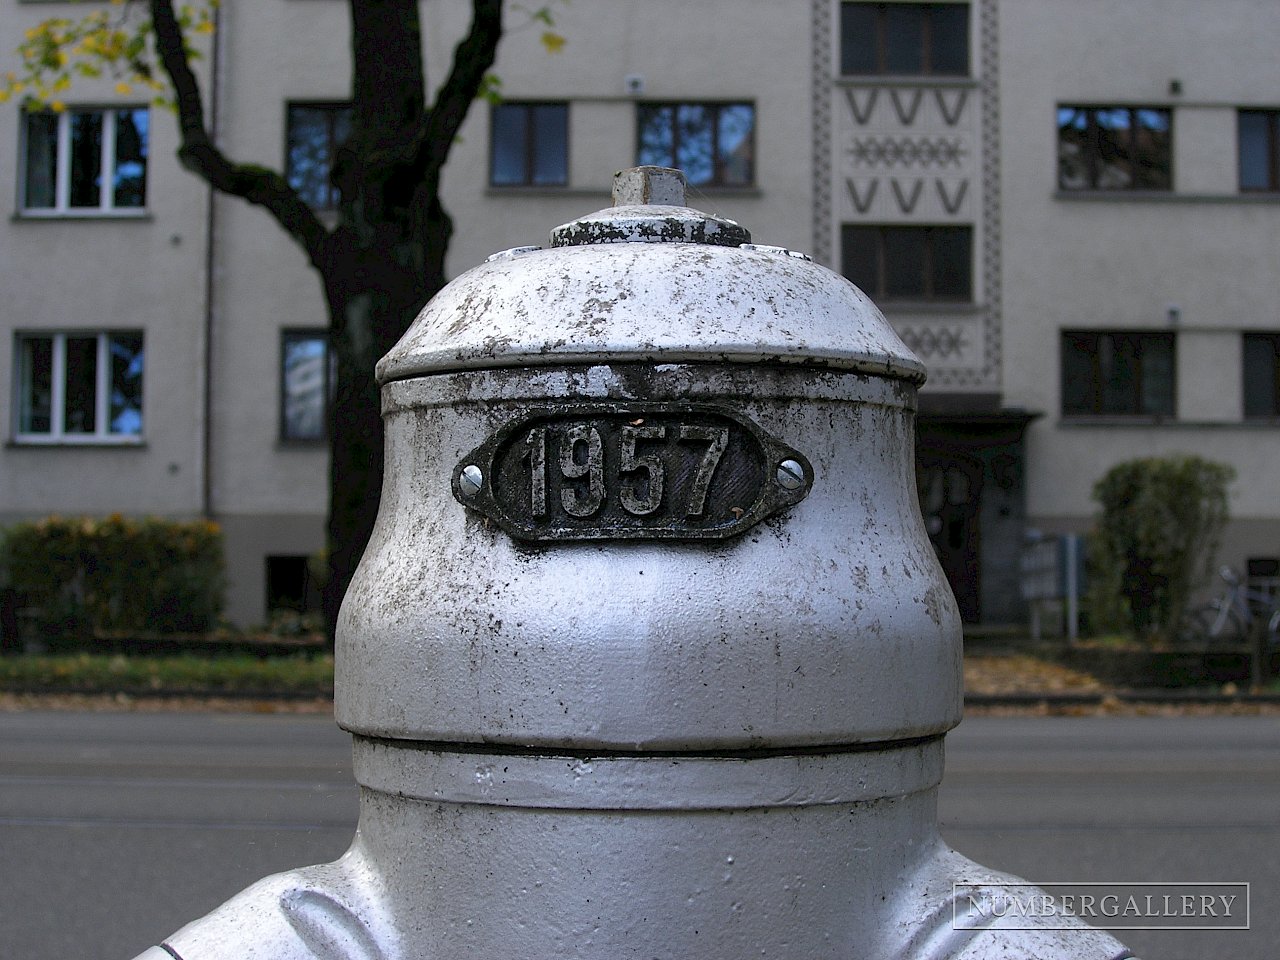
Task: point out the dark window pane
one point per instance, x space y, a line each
1152 157
860 257
951 266
736 137
42 160
1118 374
1074 149
305 386
510 130
1155 359
694 143
550 144
656 146
125 414
904 262
858 38
1261 374
1114 139
79 414
35 376
86 159
1256 159
314 133
949 41
130 183
904 38
1078 377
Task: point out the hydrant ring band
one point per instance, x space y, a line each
689 782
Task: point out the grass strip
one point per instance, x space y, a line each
116 673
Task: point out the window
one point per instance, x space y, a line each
79 387
1262 374
1259 140
909 262
85 161
306 385
1115 148
529 145
313 134
291 585
904 39
713 143
1117 374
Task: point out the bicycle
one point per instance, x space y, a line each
1228 619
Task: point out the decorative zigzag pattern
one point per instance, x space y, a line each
908 151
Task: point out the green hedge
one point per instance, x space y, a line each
81 576
1155 540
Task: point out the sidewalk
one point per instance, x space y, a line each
1014 684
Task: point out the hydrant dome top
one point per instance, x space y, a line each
649 280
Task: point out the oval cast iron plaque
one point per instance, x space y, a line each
630 471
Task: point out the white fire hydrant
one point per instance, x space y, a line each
649 655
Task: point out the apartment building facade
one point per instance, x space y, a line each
1068 210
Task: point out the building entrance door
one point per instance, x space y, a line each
950 489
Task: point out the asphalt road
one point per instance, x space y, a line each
115 829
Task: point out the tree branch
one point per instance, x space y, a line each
472 59
199 154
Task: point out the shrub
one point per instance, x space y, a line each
1156 537
82 575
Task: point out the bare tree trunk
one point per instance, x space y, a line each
386 257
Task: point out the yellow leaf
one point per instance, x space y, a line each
4 95
57 106
552 41
123 89
204 26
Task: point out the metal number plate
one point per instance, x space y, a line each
630 471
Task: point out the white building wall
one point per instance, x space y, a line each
1056 262
1111 261
86 272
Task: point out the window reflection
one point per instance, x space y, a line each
306 380
529 144
713 143
1114 148
314 133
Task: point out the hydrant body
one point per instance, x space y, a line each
649 655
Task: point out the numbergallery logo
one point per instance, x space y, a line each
1110 906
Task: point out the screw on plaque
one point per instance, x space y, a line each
790 475
470 480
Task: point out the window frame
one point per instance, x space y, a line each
58 434
1097 388
1092 161
327 388
927 50
528 181
1272 119
331 109
717 181
108 164
930 231
1261 337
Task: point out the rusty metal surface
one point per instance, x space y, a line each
621 470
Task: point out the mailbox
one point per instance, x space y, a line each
649 655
